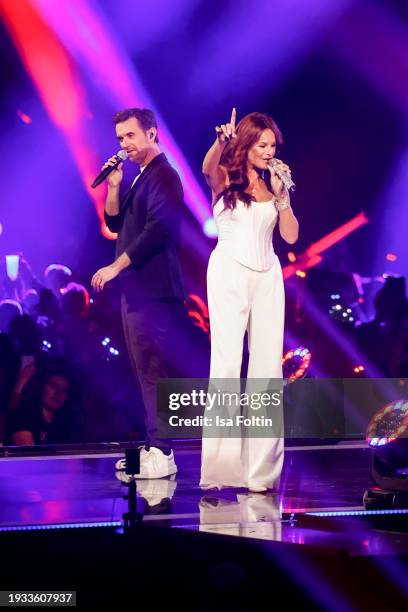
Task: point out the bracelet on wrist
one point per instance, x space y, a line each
282 204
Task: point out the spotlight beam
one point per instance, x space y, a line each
99 52
312 256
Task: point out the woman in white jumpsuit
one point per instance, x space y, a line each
245 289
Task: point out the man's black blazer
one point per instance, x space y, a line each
148 227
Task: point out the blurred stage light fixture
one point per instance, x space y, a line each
24 117
295 363
341 312
12 265
387 437
210 228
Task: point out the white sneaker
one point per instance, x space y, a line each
153 491
153 464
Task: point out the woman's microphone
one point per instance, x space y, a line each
286 179
121 155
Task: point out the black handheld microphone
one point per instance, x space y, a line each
121 155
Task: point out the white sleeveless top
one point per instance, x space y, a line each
245 232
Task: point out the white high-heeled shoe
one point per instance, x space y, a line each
257 488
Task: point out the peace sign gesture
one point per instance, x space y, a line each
227 131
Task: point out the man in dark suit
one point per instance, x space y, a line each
147 219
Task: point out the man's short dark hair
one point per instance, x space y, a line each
144 116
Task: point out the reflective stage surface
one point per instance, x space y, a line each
51 490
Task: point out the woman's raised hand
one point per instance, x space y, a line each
226 131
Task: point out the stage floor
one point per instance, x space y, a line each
82 489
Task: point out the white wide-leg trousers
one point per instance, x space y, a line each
241 299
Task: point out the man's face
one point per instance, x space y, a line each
55 393
133 140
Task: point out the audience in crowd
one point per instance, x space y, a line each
9 309
49 410
384 339
64 371
10 364
57 277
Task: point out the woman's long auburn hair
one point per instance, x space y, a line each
235 156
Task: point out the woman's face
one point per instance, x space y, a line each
55 393
261 153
